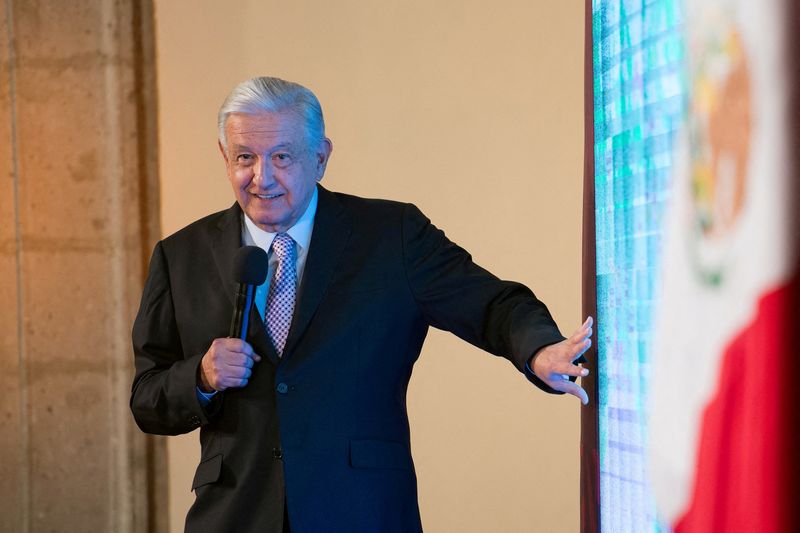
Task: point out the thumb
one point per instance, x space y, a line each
570 387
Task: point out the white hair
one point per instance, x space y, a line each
273 95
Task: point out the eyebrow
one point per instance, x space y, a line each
245 148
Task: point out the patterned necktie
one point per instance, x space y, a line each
282 289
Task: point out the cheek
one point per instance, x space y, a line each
289 183
241 177
298 183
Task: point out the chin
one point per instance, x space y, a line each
261 219
271 222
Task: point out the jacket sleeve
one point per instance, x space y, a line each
454 294
163 397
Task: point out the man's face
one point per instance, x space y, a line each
271 167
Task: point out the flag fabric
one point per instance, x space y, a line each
718 422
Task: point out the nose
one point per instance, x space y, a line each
263 174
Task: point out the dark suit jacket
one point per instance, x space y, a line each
324 429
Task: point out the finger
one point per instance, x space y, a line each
580 349
572 370
238 372
249 357
217 347
229 344
240 360
570 387
587 324
580 335
576 343
240 346
235 382
234 345
253 358
247 349
243 372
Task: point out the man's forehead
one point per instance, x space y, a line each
264 121
284 125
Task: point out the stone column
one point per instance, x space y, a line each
78 218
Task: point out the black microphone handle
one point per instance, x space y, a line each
248 303
239 300
243 301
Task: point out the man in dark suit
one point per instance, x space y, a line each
304 424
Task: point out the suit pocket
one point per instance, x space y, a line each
379 454
207 471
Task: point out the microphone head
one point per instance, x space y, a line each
250 265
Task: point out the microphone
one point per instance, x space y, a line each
250 265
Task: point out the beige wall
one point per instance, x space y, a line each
77 169
472 110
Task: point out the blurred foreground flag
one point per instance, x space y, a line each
718 419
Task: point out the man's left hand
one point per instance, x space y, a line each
554 364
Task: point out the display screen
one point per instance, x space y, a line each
639 105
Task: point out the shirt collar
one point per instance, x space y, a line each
300 232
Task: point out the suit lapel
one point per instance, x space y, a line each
331 232
257 335
226 243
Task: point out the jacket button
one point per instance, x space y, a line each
283 388
277 453
195 421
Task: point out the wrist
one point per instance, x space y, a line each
202 382
532 362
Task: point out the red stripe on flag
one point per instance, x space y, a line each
739 477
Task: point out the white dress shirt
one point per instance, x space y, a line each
252 235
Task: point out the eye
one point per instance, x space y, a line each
281 159
244 158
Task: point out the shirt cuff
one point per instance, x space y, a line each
204 397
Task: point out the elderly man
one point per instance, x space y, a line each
303 426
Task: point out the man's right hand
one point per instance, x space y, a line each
227 364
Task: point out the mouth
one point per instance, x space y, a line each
268 196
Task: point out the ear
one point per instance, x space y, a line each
224 154
322 155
